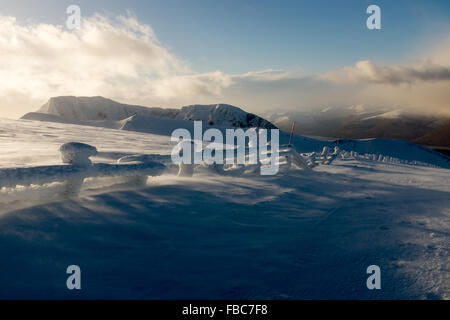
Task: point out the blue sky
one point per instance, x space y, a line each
260 55
237 36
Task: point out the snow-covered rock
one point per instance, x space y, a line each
77 153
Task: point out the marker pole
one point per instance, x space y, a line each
292 132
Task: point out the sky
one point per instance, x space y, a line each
257 54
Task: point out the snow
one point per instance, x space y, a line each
54 118
397 149
77 153
99 111
394 114
155 125
223 115
307 233
91 108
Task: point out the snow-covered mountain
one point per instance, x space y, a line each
81 109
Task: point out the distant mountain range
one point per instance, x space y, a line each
356 122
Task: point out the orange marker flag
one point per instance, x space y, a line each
292 132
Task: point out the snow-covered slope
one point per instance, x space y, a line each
36 116
155 125
296 235
75 109
97 108
398 149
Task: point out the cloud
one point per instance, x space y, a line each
192 86
369 72
117 57
265 75
121 58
